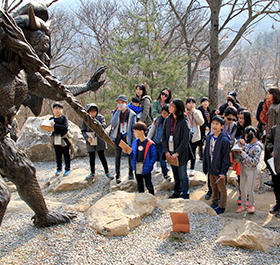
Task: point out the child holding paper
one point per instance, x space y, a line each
60 138
122 122
216 162
250 158
144 156
94 143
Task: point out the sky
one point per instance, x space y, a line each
264 26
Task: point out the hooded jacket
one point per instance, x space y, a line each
101 145
221 159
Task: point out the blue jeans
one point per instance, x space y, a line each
163 162
181 180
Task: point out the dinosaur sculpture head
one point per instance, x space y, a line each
36 29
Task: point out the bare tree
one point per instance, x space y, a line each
254 12
194 24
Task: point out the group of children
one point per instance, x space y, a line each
173 137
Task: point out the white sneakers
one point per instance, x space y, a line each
192 172
158 169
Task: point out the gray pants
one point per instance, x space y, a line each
247 184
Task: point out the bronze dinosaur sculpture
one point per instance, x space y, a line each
26 79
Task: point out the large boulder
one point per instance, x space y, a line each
247 234
36 143
74 181
118 212
185 206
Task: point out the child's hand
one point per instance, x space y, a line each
223 176
89 140
52 123
272 154
217 112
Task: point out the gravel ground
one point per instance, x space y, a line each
150 243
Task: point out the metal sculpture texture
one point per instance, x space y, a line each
26 79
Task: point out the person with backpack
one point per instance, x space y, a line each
143 156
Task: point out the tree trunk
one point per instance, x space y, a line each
214 53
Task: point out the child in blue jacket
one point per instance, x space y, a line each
144 156
135 106
216 162
155 133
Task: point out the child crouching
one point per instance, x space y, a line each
144 156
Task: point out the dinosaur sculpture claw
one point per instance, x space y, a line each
52 218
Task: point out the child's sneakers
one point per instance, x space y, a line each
251 209
91 176
208 195
192 172
219 210
168 178
118 181
214 205
239 200
277 215
66 173
241 209
158 169
58 172
109 176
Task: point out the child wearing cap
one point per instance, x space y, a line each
231 101
61 139
94 143
122 122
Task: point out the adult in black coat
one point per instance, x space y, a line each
176 146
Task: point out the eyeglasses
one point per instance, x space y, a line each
166 95
230 119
